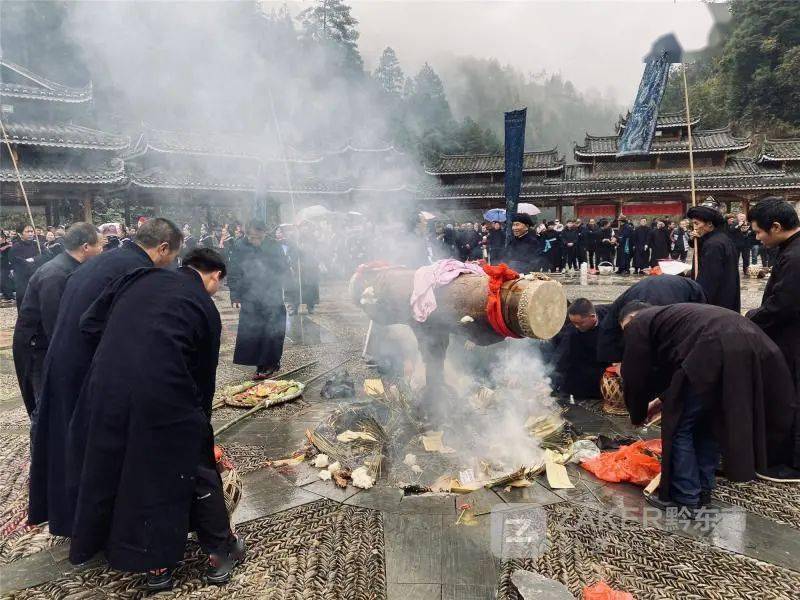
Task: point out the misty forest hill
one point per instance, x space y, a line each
241 68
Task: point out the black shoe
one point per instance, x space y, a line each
705 498
676 509
220 568
780 474
159 580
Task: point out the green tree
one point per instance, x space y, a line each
330 23
389 74
428 103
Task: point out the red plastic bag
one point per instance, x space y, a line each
601 591
635 463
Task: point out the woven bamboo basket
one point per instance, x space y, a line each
613 397
232 488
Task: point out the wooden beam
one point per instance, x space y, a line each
87 208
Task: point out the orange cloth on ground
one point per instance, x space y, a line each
498 275
601 591
634 463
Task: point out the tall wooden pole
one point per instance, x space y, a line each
691 159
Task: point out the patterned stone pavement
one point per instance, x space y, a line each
427 551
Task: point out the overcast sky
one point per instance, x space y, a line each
597 44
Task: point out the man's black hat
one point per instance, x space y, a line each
708 211
523 218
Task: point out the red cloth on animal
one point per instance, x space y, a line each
498 275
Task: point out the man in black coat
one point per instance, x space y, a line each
496 243
577 371
641 246
67 363
552 248
607 246
6 286
776 225
739 232
658 290
523 253
570 237
623 234
679 239
257 276
147 471
591 242
723 387
659 243
718 260
37 315
22 258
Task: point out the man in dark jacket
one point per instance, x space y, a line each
257 276
22 258
67 362
577 370
658 290
37 315
679 239
523 254
552 248
776 225
641 246
570 237
591 242
718 260
659 243
6 286
739 232
723 387
623 234
147 472
496 243
607 246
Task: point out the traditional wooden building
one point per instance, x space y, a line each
598 184
62 163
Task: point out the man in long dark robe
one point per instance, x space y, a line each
607 246
148 473
776 225
36 320
304 272
723 388
658 290
496 243
257 276
577 370
552 248
570 237
67 362
523 252
641 246
659 243
592 242
22 257
623 234
718 260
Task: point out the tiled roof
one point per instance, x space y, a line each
739 175
39 88
665 120
209 144
712 140
458 164
780 150
113 172
64 136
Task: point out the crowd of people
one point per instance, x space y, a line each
122 467
726 385
626 245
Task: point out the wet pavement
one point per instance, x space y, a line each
428 554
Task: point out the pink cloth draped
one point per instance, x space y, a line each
427 279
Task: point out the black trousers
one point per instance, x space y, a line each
592 255
745 254
208 516
572 258
28 363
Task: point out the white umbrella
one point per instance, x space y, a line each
312 212
528 209
427 215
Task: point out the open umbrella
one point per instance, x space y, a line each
427 215
495 214
528 209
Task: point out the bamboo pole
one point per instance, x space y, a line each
691 162
21 186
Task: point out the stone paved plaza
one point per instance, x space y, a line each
311 539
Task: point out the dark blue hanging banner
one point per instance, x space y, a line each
514 154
